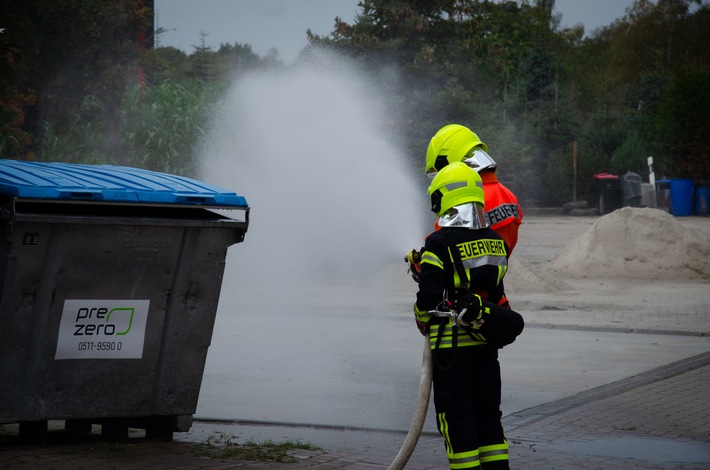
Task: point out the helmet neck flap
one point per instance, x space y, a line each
479 160
468 215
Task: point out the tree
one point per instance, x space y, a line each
56 54
680 130
471 62
658 59
203 65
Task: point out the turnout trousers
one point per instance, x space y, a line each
467 394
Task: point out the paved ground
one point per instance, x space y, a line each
643 422
658 418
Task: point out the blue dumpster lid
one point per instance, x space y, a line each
108 183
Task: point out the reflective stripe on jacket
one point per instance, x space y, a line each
483 259
503 212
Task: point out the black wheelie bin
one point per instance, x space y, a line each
606 191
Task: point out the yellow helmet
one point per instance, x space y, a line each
455 184
451 143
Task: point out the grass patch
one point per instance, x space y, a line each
104 446
221 446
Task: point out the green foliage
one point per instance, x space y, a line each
64 51
680 130
15 142
483 64
84 138
654 69
559 169
63 63
75 85
515 159
529 90
221 446
164 124
169 64
630 156
158 128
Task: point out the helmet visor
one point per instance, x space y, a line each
479 160
468 215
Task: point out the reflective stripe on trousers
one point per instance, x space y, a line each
467 401
467 459
494 453
486 457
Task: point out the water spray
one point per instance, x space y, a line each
313 148
333 198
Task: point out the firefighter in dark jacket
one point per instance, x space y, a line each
462 269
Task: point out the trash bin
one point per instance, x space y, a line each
648 195
702 198
631 187
110 278
663 194
681 197
606 191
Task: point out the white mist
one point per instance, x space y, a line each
315 321
332 198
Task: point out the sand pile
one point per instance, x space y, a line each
523 277
636 243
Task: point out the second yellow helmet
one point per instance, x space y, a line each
455 184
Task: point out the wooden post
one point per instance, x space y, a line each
574 168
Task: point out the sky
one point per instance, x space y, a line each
282 24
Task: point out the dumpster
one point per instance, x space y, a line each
109 282
606 191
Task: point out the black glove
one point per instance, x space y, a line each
471 310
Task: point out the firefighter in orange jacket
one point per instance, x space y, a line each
456 143
464 263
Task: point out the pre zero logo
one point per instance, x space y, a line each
102 329
98 321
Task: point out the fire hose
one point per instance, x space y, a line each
415 429
413 258
420 410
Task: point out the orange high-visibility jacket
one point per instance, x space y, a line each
503 212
